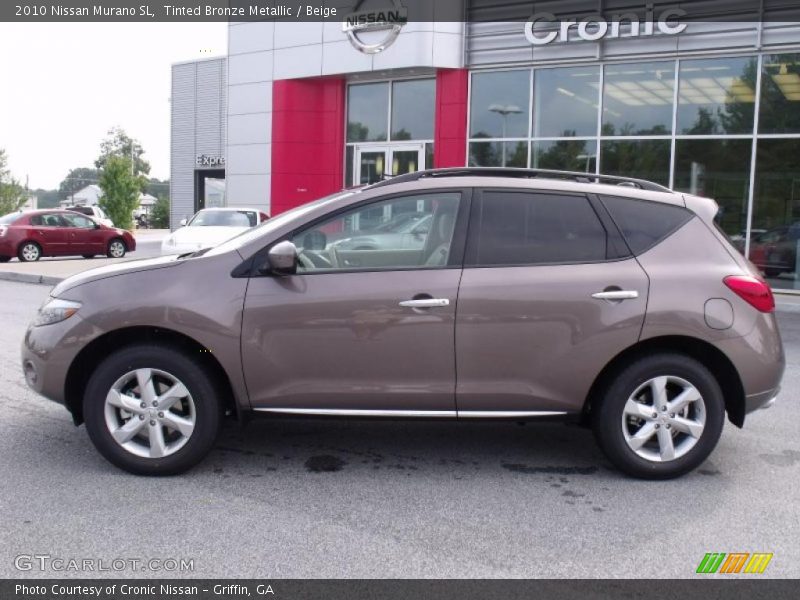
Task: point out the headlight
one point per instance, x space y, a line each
55 310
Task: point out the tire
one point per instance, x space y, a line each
88 256
116 248
620 426
136 452
29 252
4 259
771 272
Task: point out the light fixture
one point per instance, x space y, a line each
788 83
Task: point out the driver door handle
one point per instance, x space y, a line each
425 303
616 295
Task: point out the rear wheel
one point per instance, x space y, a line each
772 272
661 417
29 252
151 410
4 259
116 248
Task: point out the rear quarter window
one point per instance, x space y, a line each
644 223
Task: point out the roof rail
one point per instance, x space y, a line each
578 176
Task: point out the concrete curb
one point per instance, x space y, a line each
29 278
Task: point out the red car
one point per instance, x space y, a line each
31 235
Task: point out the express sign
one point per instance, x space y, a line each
540 30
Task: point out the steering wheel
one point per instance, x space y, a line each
311 261
305 262
334 255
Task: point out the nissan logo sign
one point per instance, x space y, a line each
595 27
362 20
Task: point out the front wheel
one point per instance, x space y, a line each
4 259
116 248
660 417
151 410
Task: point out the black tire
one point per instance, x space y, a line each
88 256
203 392
111 248
607 415
27 248
4 259
772 272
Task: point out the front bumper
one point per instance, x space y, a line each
47 353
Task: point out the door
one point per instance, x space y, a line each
359 329
84 237
547 299
375 162
49 230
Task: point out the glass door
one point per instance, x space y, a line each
374 163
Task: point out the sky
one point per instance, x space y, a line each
63 86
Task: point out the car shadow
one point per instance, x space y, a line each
365 446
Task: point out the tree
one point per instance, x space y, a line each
119 143
12 194
120 191
159 217
77 179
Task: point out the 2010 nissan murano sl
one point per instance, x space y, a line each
614 302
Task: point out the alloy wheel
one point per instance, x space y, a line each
664 418
116 249
150 413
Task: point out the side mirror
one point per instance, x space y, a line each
282 258
182 223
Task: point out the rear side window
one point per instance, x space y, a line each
643 223
523 228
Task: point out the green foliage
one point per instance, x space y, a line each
156 187
121 191
159 216
77 179
118 143
12 194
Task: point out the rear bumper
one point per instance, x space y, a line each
759 360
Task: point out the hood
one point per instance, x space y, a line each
122 268
208 236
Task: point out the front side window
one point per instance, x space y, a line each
401 233
79 221
524 228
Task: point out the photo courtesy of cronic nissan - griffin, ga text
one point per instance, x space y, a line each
505 294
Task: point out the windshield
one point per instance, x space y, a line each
274 223
8 219
224 218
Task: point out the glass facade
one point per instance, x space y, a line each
724 127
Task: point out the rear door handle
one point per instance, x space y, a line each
616 295
425 303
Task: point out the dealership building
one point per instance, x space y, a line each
707 104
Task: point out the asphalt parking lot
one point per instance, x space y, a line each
390 499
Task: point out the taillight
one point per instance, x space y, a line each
752 290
